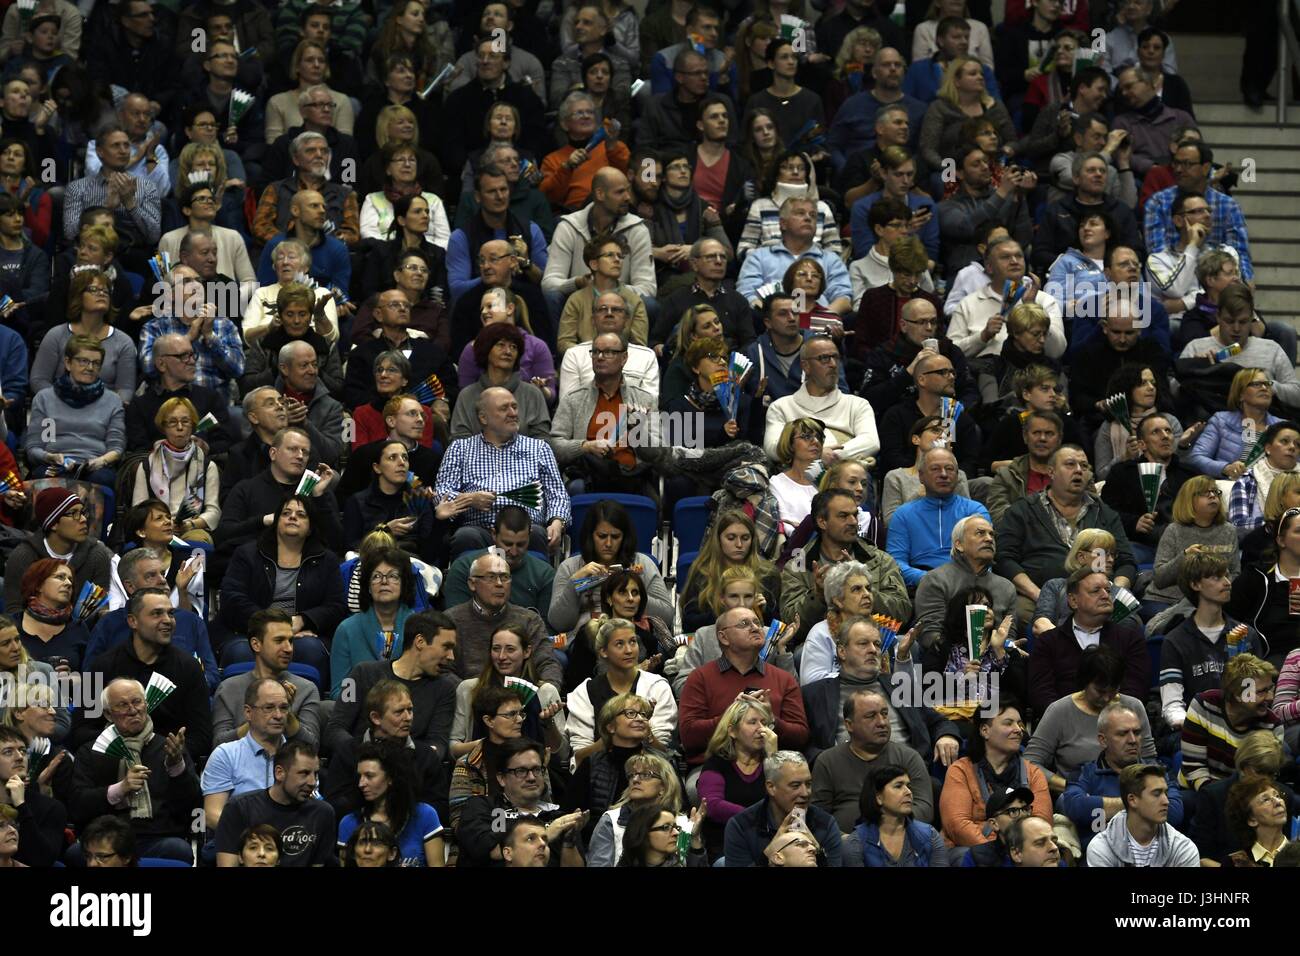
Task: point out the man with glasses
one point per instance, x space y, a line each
216 89
978 325
604 258
1173 268
712 687
60 531
499 267
155 789
767 265
136 116
1145 526
266 413
788 783
270 637
109 842
703 29
567 171
392 315
494 211
849 420
531 578
245 764
176 365
199 207
212 343
313 171
611 316
319 115
136 204
1004 806
306 825
709 259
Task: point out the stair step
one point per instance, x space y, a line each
1261 204
1233 111
1263 227
1277 275
1261 134
1265 179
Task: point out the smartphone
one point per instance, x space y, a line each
798 818
931 344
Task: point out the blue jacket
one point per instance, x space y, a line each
661 71
1073 276
461 274
854 127
356 640
779 384
917 852
864 238
1082 799
751 830
920 533
924 77
768 264
1087 322
13 366
191 636
1220 444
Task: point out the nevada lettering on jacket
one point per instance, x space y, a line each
77 910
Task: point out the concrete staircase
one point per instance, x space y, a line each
1253 143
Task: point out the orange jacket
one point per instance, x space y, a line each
962 807
570 187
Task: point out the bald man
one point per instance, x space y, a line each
308 221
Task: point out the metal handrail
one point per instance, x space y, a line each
1286 43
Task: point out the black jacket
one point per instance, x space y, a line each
249 585
465 321
1260 601
174 798
897 450
41 820
1123 492
359 474
463 127
434 699
370 506
1059 229
111 61
821 702
254 498
338 783
1093 365
426 359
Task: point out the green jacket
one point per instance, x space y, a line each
799 595
1008 487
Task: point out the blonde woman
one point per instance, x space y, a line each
1201 525
651 781
1092 547
923 39
731 777
698 322
852 67
1220 450
799 446
397 124
179 473
731 542
962 95
308 67
1283 495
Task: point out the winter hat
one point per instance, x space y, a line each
51 504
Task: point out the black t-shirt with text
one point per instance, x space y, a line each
307 831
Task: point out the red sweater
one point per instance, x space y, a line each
710 690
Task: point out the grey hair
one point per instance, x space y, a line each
489 157
397 358
286 351
126 567
302 139
774 764
993 244
250 400
172 337
103 697
311 91
571 102
1081 157
936 448
849 623
697 247
838 577
291 245
1116 706
959 530
793 201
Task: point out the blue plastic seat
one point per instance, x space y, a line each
305 671
684 562
157 861
136 282
642 510
690 519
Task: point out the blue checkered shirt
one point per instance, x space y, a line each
217 363
472 464
1227 225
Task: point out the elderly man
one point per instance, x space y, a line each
494 218
978 326
709 259
427 356
788 782
974 549
1036 532
500 267
977 202
310 153
934 377
156 789
854 127
136 204
318 109
606 434
213 342
1147 123
136 118
917 539
1059 228
198 251
531 579
1090 132
777 352
199 207
308 404
307 222
1054 658
835 513
768 264
859 648
668 118
174 361
848 419
475 471
611 317
567 172
604 257
1093 797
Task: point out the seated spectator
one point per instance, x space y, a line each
389 500
977 201
1174 268
1262 597
768 263
408 225
311 156
84 430
1148 120
879 323
776 352
418 274
1199 524
895 125
873 238
887 810
1259 755
1216 271
1122 342
37 819
788 782
910 542
1064 218
308 404
1024 37
300 316
135 203
993 764
305 221
1281 444
856 127
109 841
971 566
651 784
91 315
947 39
387 786
60 526
18 176
889 222
1144 525
1055 656
963 91
45 624
531 579
149 525
1089 131
499 209
218 351
1258 810
309 68
698 419
536 364
270 636
1038 388
1031 550
799 448
287 567
379 212
708 258
372 845
393 376
1052 607
157 790
604 258
399 360
242 765
1077 273
791 177
199 206
935 381
731 777
27 274
290 260
1141 834
179 473
849 421
967 688
287 805
1067 738
682 219
96 248
567 172
1051 85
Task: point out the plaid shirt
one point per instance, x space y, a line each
472 464
1243 502
218 362
1227 225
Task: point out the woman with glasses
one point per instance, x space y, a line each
45 624
179 473
299 316
204 160
394 378
790 177
84 433
149 524
498 350
1281 444
388 503
1221 449
651 782
604 256
308 68
1258 811
90 313
509 655
697 322
798 449
1025 345
904 484
398 125
1200 525
401 181
375 632
420 274
1037 388
475 774
292 263
650 839
618 649
1262 594
699 420
386 784
95 248
288 568
681 218
887 835
731 777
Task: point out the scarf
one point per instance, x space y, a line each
75 394
1006 779
1264 474
747 487
706 400
166 462
784 191
46 614
395 191
141 802
665 228
1152 109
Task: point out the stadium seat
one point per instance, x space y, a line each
690 519
305 671
157 861
136 282
642 510
684 562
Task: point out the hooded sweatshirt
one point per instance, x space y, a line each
1111 846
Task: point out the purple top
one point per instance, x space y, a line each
537 362
712 787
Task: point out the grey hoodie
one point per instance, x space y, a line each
1111 847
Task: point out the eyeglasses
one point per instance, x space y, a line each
177 422
606 353
830 358
388 370
74 514
86 363
750 625
385 577
521 773
666 828
1020 811
635 714
185 357
127 706
101 858
945 372
1211 493
97 290
323 105
205 125
924 323
489 260
496 577
643 775
583 113
1260 385
510 715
